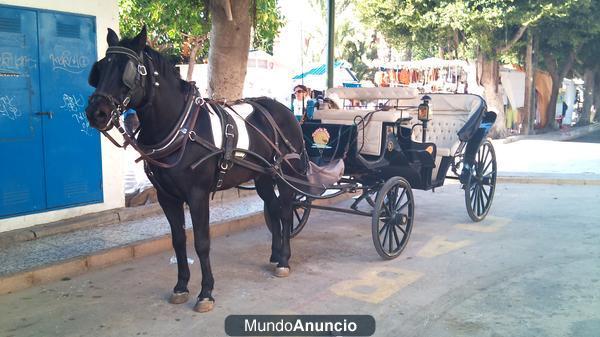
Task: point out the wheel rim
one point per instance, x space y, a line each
394 219
300 214
482 183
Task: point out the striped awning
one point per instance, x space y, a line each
319 71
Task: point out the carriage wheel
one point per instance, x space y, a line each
392 219
300 218
480 187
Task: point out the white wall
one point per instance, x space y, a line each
107 15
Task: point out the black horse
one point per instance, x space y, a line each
133 75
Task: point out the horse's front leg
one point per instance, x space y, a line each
200 217
173 210
286 199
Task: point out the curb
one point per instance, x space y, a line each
561 135
76 266
548 181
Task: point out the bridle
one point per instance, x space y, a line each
141 83
134 78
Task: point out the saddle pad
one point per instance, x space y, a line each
239 115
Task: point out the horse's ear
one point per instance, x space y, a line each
139 42
112 38
94 76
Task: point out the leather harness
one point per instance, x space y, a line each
184 132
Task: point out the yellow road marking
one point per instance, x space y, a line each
438 245
491 225
377 284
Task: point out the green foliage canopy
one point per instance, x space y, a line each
174 24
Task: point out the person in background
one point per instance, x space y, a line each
302 105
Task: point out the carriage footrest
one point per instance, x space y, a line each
327 174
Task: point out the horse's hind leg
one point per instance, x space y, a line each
266 190
174 212
199 211
286 199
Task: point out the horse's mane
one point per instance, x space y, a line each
165 66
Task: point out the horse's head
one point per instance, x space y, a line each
119 78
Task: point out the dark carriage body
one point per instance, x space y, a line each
384 140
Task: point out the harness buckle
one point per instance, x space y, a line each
192 135
229 133
225 165
199 100
126 101
142 70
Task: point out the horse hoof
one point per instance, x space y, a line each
179 298
204 305
282 271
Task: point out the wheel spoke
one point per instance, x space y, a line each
403 205
391 230
473 197
392 196
487 196
487 179
385 224
485 156
297 215
387 208
400 199
480 201
385 235
487 166
401 229
396 238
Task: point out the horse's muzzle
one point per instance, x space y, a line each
98 113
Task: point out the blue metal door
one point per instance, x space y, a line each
71 147
50 157
21 144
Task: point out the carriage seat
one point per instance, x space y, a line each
449 113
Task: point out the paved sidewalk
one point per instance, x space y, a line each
550 156
52 249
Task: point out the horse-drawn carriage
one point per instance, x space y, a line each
192 146
392 140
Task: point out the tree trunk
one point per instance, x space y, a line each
551 110
589 79
229 45
529 87
596 98
557 72
489 79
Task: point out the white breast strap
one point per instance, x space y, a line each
215 124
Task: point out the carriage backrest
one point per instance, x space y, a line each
343 96
450 114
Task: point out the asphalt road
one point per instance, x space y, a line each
530 269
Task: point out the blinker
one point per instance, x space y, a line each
129 75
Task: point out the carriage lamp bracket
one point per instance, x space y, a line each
423 115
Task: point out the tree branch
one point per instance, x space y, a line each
518 35
569 63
